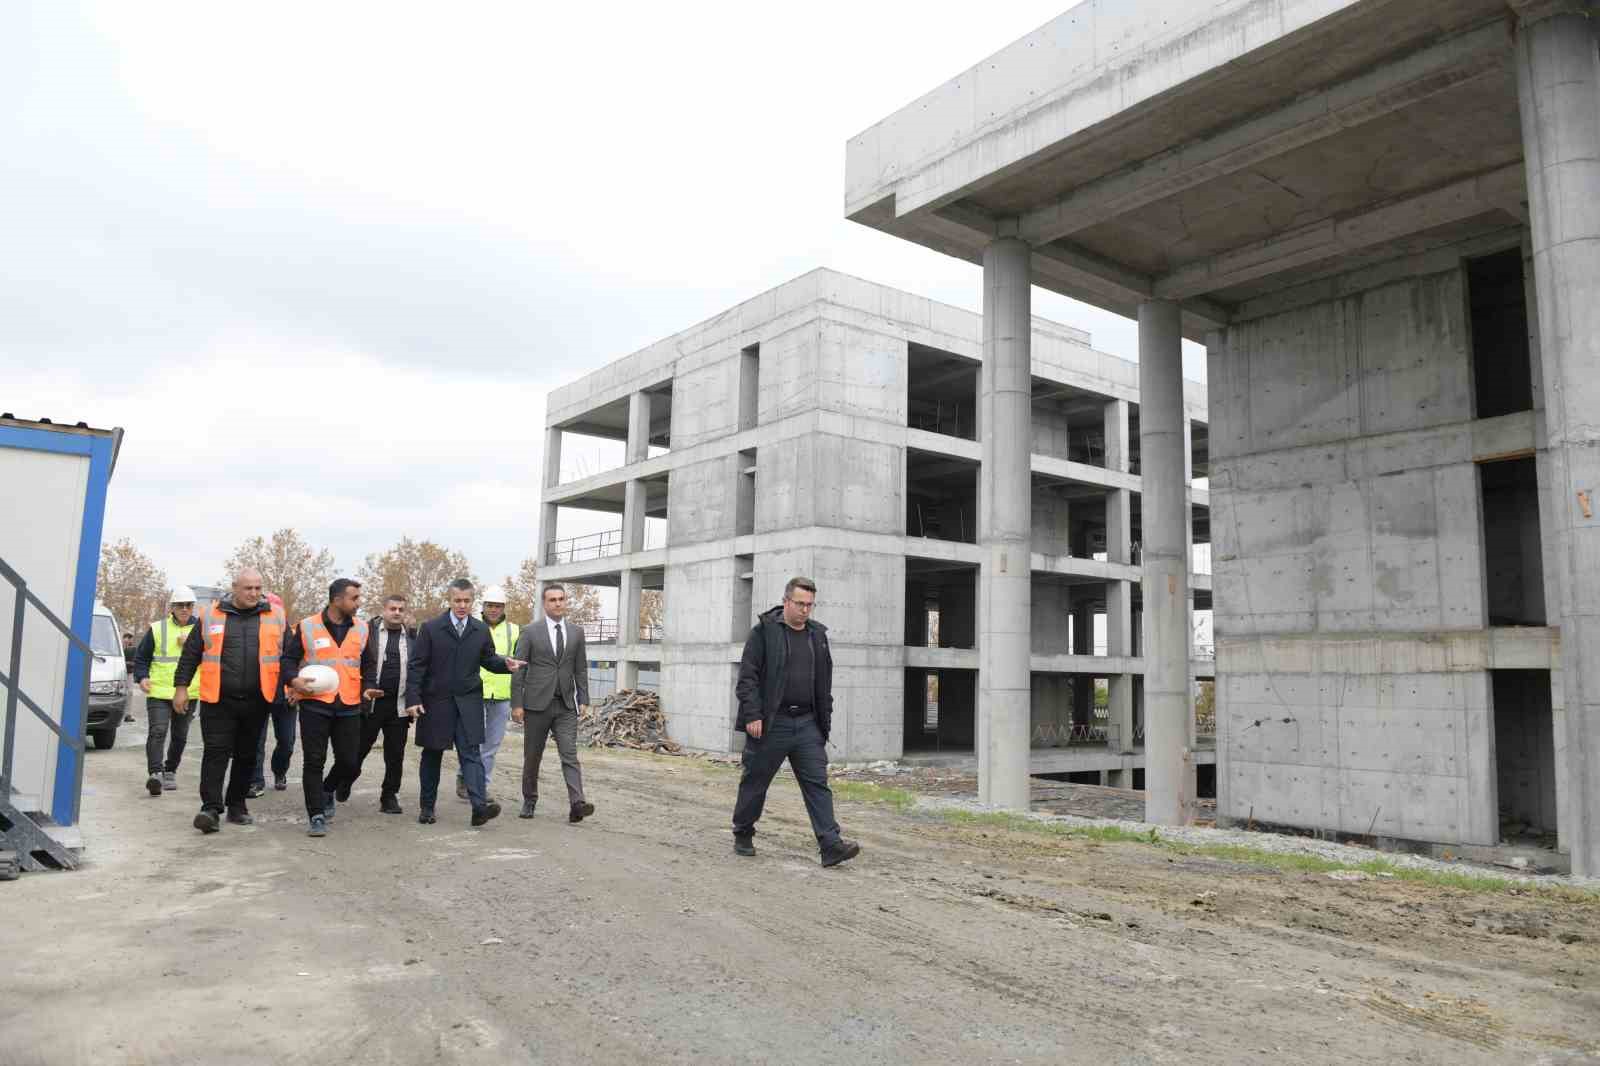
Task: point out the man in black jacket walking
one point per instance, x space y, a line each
786 710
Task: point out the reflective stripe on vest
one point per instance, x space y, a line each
344 657
498 686
168 638
269 644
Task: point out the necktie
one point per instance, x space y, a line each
460 625
561 641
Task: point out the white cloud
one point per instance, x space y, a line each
237 231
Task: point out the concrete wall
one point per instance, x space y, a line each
1348 538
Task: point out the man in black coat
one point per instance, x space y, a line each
785 696
444 695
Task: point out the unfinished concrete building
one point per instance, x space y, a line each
1382 218
831 427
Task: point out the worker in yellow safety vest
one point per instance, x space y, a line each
155 664
496 687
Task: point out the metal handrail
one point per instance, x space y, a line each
588 546
14 694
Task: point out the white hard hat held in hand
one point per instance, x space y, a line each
319 679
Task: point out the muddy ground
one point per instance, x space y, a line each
639 937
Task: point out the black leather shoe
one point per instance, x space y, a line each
241 818
580 811
461 788
485 813
744 846
390 805
844 851
206 821
280 782
343 795
426 817
527 808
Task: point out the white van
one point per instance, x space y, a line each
108 678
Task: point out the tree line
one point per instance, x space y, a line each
137 590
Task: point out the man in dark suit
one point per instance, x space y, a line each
444 695
546 695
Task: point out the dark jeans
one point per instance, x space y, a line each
317 733
537 726
797 739
471 769
229 730
169 733
386 720
282 721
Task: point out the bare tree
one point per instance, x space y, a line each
522 592
583 604
297 572
419 570
652 612
131 584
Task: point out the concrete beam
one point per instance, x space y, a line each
1333 237
1480 53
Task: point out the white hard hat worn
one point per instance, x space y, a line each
181 594
319 679
494 594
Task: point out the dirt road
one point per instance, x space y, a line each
639 937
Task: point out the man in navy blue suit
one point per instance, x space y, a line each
444 695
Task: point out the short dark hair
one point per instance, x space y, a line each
799 583
461 584
554 586
336 589
396 597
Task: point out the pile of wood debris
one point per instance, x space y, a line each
630 718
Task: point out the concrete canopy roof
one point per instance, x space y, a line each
1210 152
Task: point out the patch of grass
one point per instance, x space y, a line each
1289 861
867 792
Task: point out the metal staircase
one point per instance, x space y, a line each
25 840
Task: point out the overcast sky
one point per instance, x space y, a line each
323 261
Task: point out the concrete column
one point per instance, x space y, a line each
1166 563
1117 435
628 593
1558 82
552 478
633 504
1006 509
638 427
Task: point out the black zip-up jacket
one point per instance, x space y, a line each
241 668
761 672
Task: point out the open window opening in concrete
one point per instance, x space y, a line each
590 528
940 710
1069 423
745 499
1513 549
942 392
1133 438
941 604
744 596
1525 756
749 387
652 619
587 454
1069 517
657 499
1502 369
1199 455
941 497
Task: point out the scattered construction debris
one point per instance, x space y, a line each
630 718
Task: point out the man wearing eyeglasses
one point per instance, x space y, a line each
785 696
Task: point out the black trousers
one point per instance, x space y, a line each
229 729
319 731
163 723
385 720
797 739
